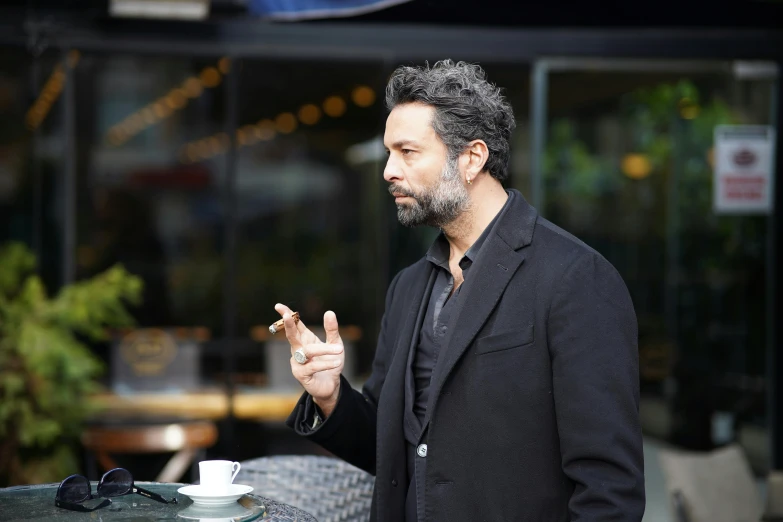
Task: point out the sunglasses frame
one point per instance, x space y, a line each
78 505
131 488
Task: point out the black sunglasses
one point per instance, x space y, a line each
75 493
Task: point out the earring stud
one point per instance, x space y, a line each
470 181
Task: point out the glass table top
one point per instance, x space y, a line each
37 503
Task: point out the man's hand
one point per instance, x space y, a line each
320 374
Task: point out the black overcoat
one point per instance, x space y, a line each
533 412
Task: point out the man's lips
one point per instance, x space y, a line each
399 194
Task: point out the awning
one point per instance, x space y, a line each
294 10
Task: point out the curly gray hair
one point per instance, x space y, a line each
467 108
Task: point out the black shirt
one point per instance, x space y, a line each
440 308
439 311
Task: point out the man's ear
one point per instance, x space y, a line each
476 154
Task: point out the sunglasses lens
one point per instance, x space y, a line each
115 483
74 489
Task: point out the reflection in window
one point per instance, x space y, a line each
31 154
308 200
138 203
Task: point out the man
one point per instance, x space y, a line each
505 380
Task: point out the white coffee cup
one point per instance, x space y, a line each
217 475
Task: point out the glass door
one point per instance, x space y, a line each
624 157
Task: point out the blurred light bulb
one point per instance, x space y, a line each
363 96
265 130
192 87
334 106
636 166
161 109
148 115
243 136
309 114
286 123
210 77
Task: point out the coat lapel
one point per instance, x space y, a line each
498 261
392 398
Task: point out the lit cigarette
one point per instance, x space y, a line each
280 325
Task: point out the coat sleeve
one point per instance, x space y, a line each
350 431
592 333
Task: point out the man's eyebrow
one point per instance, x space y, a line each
402 143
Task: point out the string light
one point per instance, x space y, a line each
363 96
177 99
210 77
246 136
334 106
148 116
50 92
309 114
161 110
284 123
165 106
265 130
192 87
636 166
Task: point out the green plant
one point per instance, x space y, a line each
46 370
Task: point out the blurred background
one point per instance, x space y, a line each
228 155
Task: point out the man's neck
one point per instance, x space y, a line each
486 202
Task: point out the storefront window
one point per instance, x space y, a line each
628 167
141 200
31 154
310 197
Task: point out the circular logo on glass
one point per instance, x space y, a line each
148 351
744 158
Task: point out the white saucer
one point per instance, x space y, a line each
202 496
235 511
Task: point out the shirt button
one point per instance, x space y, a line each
421 451
394 482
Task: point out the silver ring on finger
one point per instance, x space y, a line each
299 356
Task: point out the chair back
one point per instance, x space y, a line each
716 486
326 487
774 504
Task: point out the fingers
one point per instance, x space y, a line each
314 351
315 365
283 309
291 332
331 328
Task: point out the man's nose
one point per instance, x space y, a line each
392 172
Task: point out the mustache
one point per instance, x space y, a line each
396 189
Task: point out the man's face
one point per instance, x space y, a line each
427 188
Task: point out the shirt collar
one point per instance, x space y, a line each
438 254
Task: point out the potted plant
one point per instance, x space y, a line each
46 369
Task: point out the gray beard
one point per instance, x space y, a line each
437 206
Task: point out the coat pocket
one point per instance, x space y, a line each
497 342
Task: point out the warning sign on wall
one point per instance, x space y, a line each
744 166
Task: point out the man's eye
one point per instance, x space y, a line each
405 152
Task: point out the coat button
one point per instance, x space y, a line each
394 482
422 450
